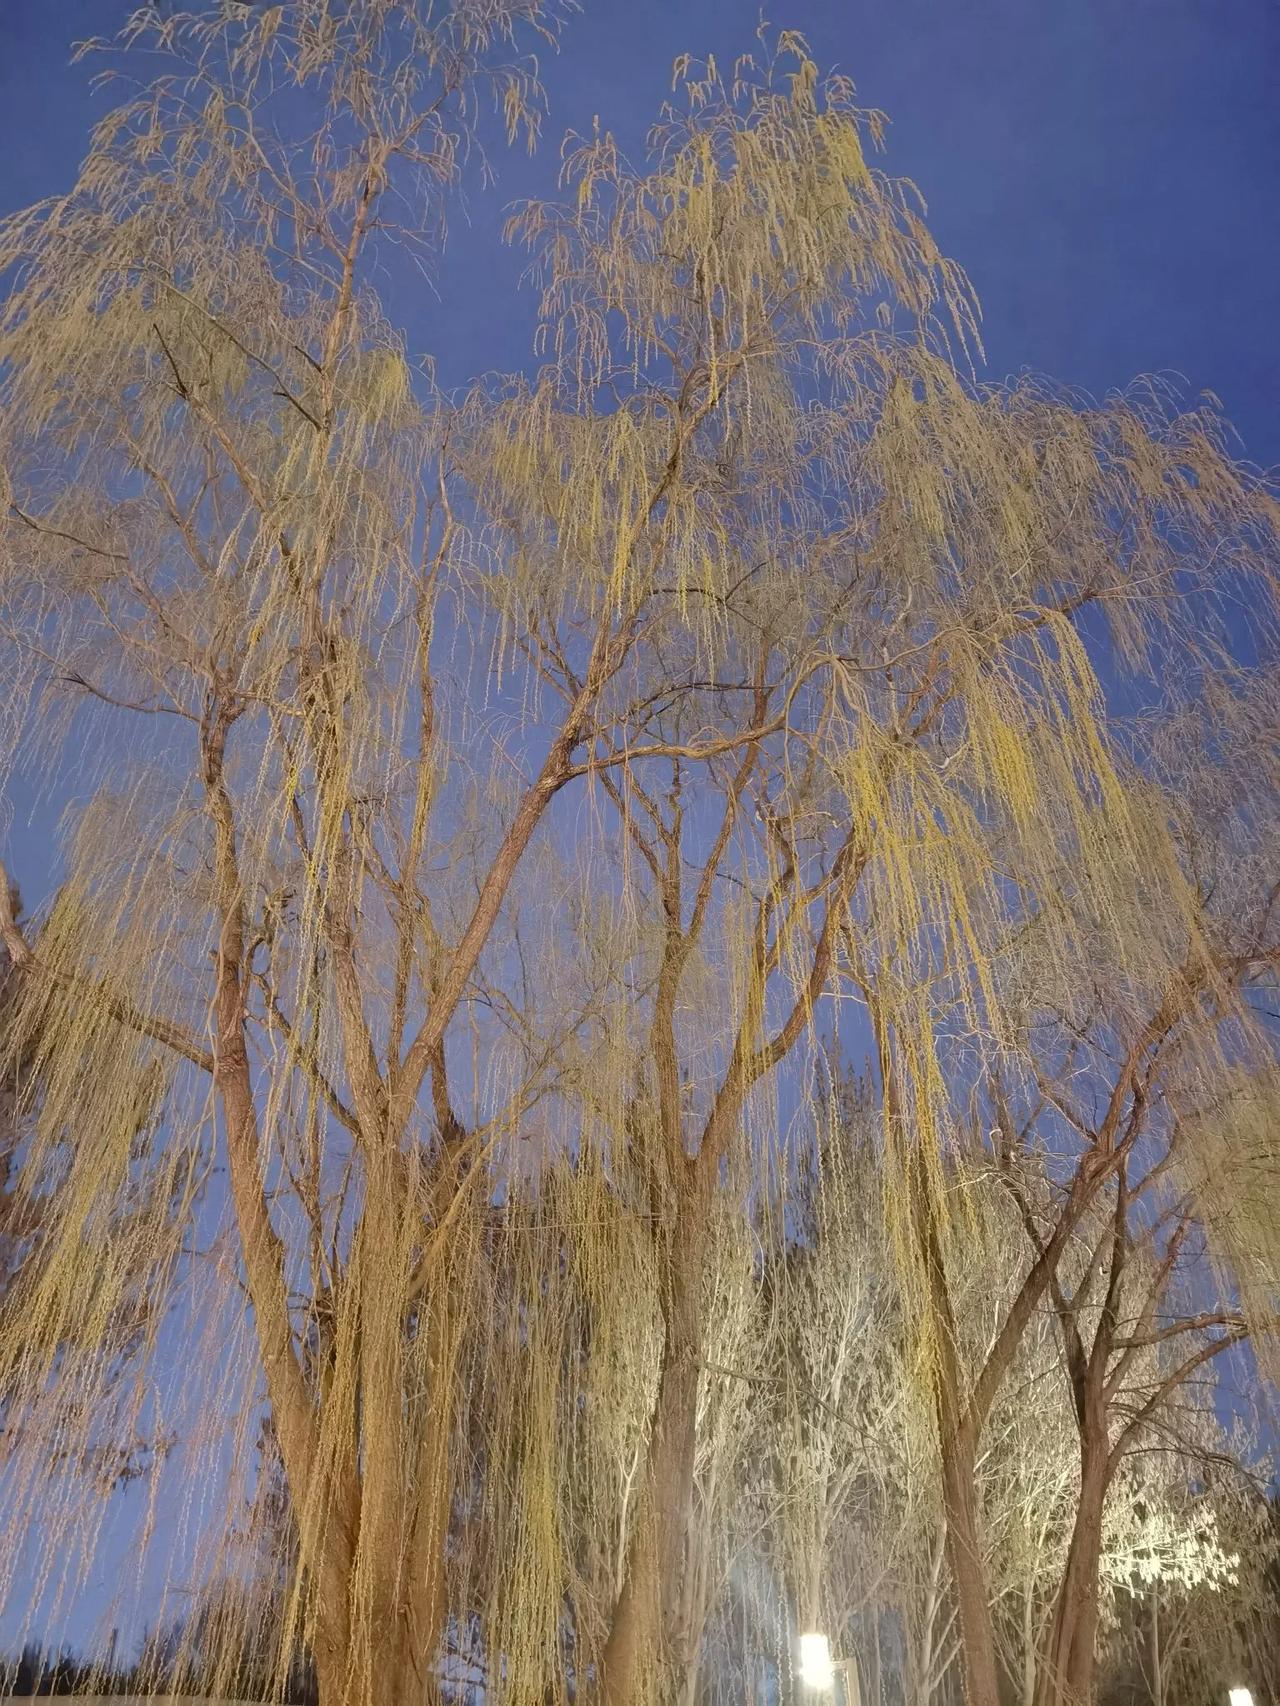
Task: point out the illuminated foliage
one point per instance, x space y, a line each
481 804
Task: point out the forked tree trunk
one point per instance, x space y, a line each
395 1619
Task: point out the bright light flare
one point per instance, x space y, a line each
1240 1697
818 1672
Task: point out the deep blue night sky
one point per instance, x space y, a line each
1105 171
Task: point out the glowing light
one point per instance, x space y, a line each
818 1672
1240 1697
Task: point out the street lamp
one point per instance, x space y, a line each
819 1670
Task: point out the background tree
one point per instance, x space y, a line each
1123 1080
1191 1629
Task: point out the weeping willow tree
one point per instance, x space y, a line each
244 470
480 802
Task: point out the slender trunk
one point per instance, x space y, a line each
921 1666
698 1594
647 1640
1081 1660
850 1684
926 1644
1068 1674
326 1502
1157 1660
958 1451
422 1620
968 1574
810 1595
1028 1691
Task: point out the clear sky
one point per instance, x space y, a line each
1105 170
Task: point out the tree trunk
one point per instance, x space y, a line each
1157 1658
331 1669
1069 1670
423 1617
923 1649
648 1644
876 1689
1028 1689
968 1574
958 1451
395 1682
